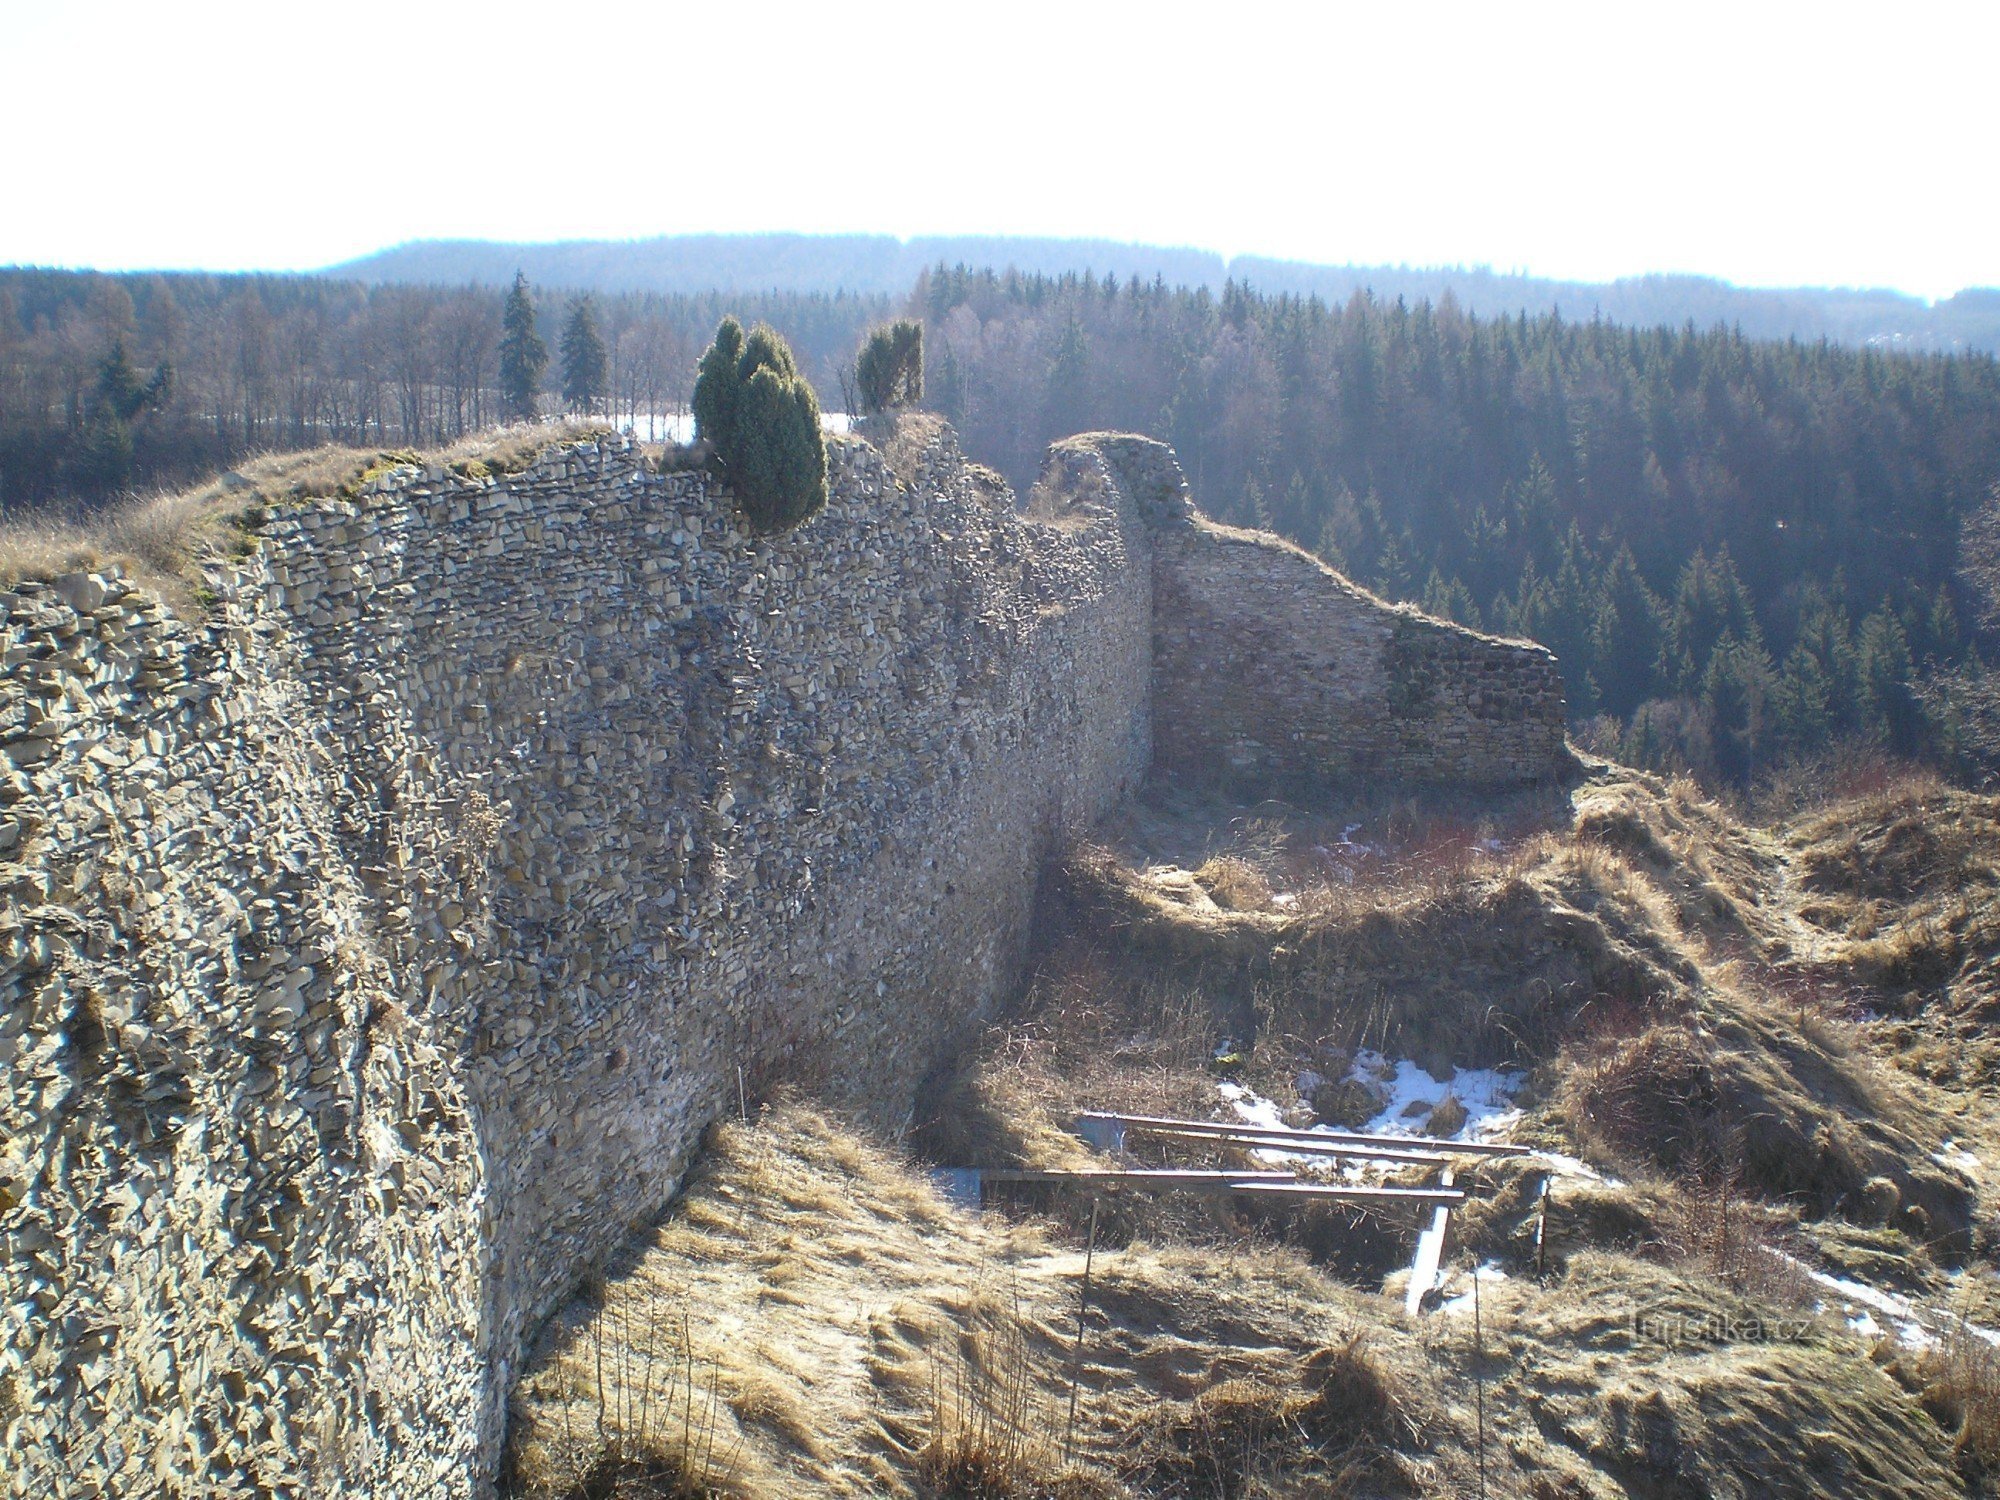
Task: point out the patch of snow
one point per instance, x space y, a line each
1956 1157
1900 1311
1915 1326
1252 1108
678 426
1570 1166
1485 1275
1410 1094
1284 898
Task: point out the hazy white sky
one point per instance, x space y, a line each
1766 143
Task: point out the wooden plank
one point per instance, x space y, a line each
1430 1250
1276 1184
1256 1140
1281 1133
1163 1176
1444 1197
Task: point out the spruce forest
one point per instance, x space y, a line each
1745 554
1748 555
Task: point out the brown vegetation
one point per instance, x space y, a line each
161 540
1693 1020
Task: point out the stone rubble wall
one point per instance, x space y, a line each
381 947
240 1188
378 945
1273 672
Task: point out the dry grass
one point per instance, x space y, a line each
997 1420
629 1411
867 1340
1490 957
1234 884
1959 1380
1906 881
849 1335
161 540
1240 1437
831 1327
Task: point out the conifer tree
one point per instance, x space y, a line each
1737 693
716 387
889 371
1067 388
1802 702
948 388
583 357
1626 636
1883 669
1449 599
523 355
762 416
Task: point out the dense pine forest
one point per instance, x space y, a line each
1742 552
1745 553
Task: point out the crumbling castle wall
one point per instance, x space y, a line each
1273 672
378 951
377 946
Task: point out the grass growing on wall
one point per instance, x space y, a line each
162 540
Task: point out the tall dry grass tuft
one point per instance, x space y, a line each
994 1420
1850 771
1236 1438
1234 883
1959 1378
1710 1224
642 1416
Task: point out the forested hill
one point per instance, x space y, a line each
872 264
884 265
1740 550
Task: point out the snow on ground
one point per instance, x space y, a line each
1411 1094
1957 1158
1484 1275
1570 1166
1253 1108
1916 1326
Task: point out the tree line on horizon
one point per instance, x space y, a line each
1741 552
886 265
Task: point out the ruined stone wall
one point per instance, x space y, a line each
377 945
240 1190
379 949
1271 671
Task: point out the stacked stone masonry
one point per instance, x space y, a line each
377 946
1271 671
